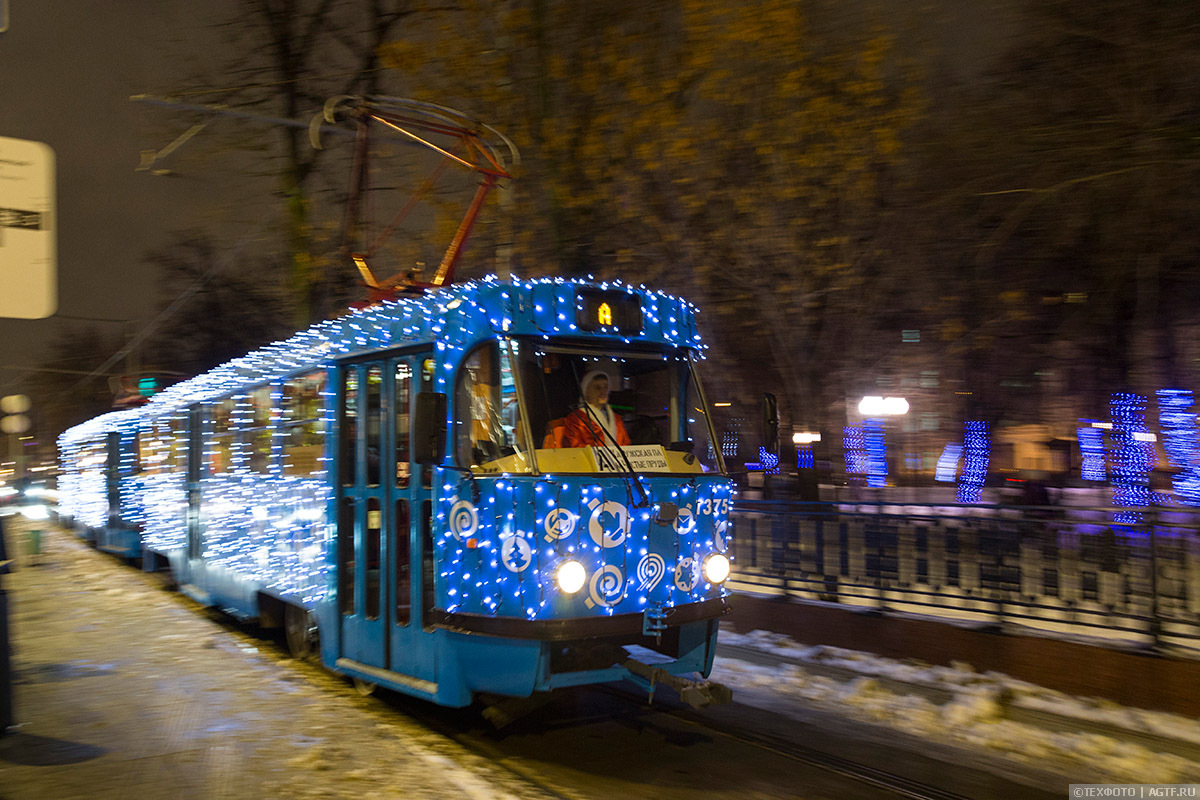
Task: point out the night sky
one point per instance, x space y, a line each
67 71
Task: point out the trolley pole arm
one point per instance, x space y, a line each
445 273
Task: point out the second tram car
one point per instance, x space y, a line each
395 485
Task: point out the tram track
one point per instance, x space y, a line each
846 768
435 719
795 751
489 744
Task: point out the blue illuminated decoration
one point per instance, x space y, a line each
947 463
875 441
804 457
1132 455
1091 451
1181 442
503 539
977 448
854 447
768 461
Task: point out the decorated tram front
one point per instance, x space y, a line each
541 561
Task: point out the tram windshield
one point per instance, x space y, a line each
524 404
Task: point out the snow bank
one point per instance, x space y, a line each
975 716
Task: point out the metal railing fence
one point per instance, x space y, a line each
1064 570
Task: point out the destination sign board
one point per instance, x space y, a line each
642 457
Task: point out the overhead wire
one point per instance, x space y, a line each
173 306
268 84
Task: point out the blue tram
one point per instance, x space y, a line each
394 488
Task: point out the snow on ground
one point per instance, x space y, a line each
975 715
162 692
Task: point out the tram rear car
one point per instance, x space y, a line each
396 480
98 483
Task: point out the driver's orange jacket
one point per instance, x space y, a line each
579 430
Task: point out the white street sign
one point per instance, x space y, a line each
28 252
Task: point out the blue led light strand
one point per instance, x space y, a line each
1131 456
1181 442
875 445
1093 463
977 450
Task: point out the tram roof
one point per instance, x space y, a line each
98 427
451 318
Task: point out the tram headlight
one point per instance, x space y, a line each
716 568
570 576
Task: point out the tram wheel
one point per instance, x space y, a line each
365 688
300 632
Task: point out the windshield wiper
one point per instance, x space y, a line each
631 476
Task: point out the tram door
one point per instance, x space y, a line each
112 482
380 499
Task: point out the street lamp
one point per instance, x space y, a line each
876 406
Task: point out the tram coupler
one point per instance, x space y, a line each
697 693
654 620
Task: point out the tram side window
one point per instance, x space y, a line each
218 454
160 446
403 398
254 433
178 433
303 424
373 422
154 447
92 457
348 438
487 421
131 453
147 445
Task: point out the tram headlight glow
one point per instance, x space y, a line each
35 512
570 576
716 568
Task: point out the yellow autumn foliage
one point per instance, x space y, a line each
735 152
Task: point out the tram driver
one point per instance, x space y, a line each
594 422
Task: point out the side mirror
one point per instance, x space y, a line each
429 428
